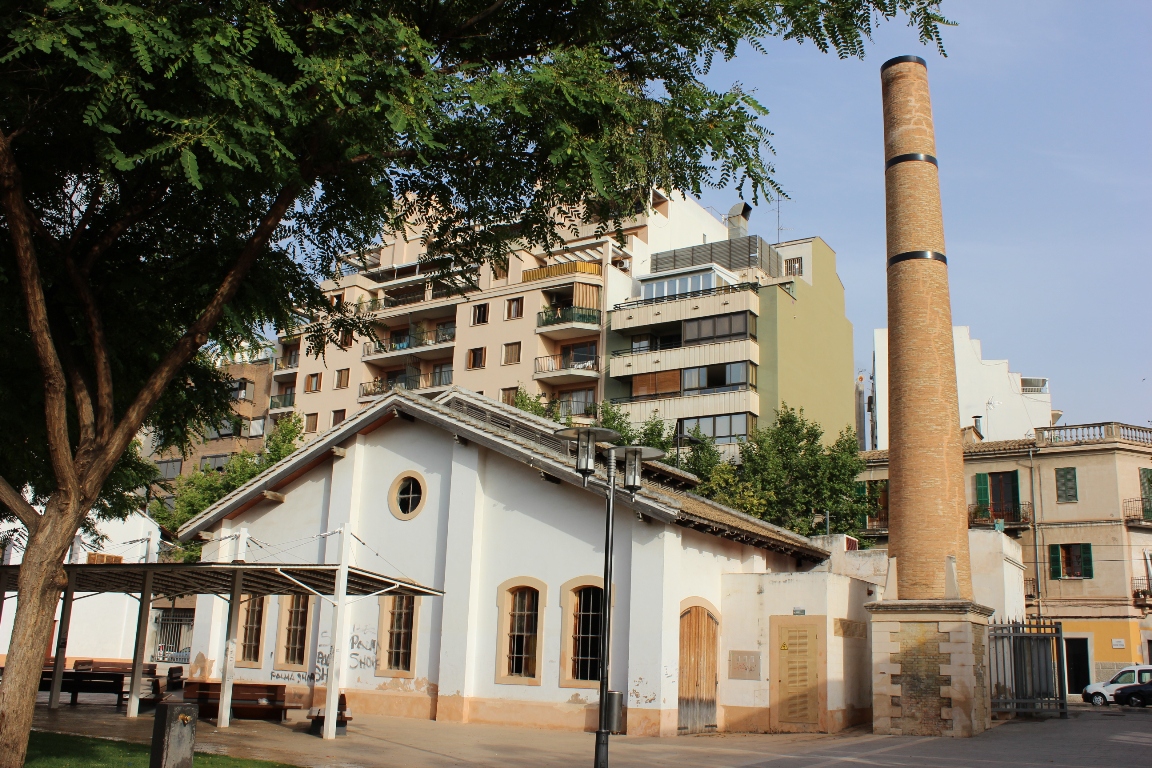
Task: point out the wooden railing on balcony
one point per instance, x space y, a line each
1110 431
559 270
1138 510
1009 514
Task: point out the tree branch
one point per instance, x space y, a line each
83 402
55 387
104 414
194 338
132 214
20 507
478 17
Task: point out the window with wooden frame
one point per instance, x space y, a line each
339 416
251 649
1066 490
508 395
476 357
581 605
519 648
480 314
399 618
1070 561
311 422
514 308
294 632
342 379
346 339
312 382
512 353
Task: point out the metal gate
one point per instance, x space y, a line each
1026 668
174 635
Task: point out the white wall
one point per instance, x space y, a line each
102 626
985 388
997 573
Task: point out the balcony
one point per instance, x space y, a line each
664 310
415 382
1138 512
419 342
1010 515
719 290
1142 592
1030 590
745 387
287 363
560 270
568 322
567 369
282 402
877 525
562 410
1081 434
630 363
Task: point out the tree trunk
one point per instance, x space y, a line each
41 581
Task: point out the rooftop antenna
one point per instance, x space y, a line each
779 229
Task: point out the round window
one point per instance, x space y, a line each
408 496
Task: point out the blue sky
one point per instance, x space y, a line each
1044 133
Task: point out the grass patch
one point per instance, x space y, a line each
59 750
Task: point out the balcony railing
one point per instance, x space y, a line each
877 522
398 342
717 291
559 410
550 363
1010 514
287 362
557 315
1093 433
1141 589
422 381
1030 590
559 270
685 393
282 401
1138 510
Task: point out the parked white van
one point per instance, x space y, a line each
1100 694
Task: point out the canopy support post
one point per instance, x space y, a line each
228 674
141 640
336 662
61 659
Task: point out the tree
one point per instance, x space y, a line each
787 476
199 490
180 174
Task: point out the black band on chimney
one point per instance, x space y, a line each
903 60
911 156
907 255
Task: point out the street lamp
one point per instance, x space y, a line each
634 458
682 440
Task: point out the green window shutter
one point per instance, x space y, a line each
1146 483
1086 560
1015 483
982 489
1066 484
1054 561
861 489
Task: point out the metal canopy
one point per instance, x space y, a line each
178 579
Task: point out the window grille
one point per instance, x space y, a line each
296 630
253 629
1066 484
400 633
586 633
522 622
794 267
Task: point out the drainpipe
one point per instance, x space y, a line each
1036 534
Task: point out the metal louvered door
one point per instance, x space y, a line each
798 675
699 632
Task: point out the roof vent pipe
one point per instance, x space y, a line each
738 220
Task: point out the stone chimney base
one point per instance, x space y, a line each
930 667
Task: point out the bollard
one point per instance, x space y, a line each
174 734
615 710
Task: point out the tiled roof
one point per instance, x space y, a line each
988 446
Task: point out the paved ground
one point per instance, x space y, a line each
1111 738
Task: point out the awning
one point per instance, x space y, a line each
177 579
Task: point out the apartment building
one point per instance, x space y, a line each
771 317
1079 501
998 402
251 391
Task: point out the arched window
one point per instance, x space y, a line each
587 627
523 624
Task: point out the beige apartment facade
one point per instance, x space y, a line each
1079 500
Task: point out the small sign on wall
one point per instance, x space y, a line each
1117 642
743 665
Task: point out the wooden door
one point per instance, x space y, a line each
699 632
797 674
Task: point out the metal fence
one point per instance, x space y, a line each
1026 668
174 636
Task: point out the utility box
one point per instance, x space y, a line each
174 734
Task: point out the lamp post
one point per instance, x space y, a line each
682 440
586 439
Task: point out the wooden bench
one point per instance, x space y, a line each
85 681
316 715
250 701
174 680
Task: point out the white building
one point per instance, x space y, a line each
103 626
469 496
999 403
